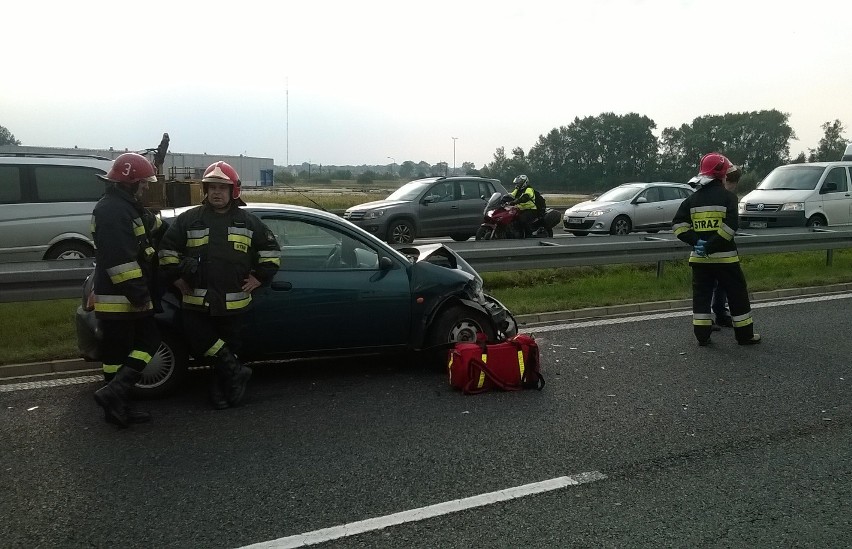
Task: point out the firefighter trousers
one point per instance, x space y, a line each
730 278
128 342
208 334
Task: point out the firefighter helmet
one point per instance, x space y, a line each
222 172
129 168
714 165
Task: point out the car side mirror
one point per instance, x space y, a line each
385 263
828 188
640 200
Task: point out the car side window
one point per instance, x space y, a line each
670 193
838 177
683 193
10 185
68 184
442 192
469 190
652 194
308 246
485 190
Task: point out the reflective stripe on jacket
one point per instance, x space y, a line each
709 214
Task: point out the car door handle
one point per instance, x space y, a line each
454 207
282 286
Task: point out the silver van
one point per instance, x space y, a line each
46 203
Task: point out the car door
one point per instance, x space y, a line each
836 199
672 197
438 211
646 213
330 292
471 207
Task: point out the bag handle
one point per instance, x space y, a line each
471 388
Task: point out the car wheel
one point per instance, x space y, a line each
579 233
621 225
400 232
483 233
460 237
70 250
817 221
166 371
459 324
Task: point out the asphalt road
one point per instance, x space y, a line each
639 439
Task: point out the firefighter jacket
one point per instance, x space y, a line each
709 214
125 260
524 200
214 253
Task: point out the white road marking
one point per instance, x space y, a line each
49 383
423 513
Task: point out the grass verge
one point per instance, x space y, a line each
44 330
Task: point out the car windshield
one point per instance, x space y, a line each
408 191
618 194
797 178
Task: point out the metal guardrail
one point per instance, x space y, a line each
62 279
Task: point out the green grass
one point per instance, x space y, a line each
44 330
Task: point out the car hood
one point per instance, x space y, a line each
377 204
779 196
438 254
589 205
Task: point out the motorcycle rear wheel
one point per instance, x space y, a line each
484 233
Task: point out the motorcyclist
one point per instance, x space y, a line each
523 196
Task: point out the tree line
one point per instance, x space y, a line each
596 153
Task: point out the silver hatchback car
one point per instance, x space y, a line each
627 208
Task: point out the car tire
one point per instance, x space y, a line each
166 371
459 324
579 233
621 225
70 249
460 237
400 232
816 221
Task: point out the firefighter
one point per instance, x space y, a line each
523 196
707 221
124 284
216 254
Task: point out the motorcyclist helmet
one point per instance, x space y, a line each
222 172
522 182
129 169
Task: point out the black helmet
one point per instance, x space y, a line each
522 182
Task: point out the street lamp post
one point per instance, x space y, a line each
393 165
454 154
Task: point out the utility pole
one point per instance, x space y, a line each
454 154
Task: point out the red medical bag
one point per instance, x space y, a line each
510 365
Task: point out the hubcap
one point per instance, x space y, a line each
160 368
401 234
465 330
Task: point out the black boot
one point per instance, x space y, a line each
217 391
235 375
114 397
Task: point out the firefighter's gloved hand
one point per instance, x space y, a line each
700 248
188 267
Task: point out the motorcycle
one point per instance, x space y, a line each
501 220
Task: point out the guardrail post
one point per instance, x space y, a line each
659 269
829 257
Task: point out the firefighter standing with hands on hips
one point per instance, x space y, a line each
217 254
708 221
124 284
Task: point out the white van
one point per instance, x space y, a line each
797 195
46 203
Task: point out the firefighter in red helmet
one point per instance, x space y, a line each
217 254
708 222
125 296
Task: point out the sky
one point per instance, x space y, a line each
343 82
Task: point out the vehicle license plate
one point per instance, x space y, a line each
575 220
757 224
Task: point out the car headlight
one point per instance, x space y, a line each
598 213
741 207
374 214
793 207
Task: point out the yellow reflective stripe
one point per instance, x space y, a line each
238 304
521 362
481 373
193 300
101 307
150 252
741 323
138 227
273 260
140 355
237 230
170 260
214 348
698 322
239 238
702 319
110 368
195 242
712 259
157 222
127 275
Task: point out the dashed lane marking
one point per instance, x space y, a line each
423 513
49 383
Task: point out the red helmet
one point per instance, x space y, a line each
222 172
131 168
714 165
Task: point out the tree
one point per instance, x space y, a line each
832 144
6 137
406 169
